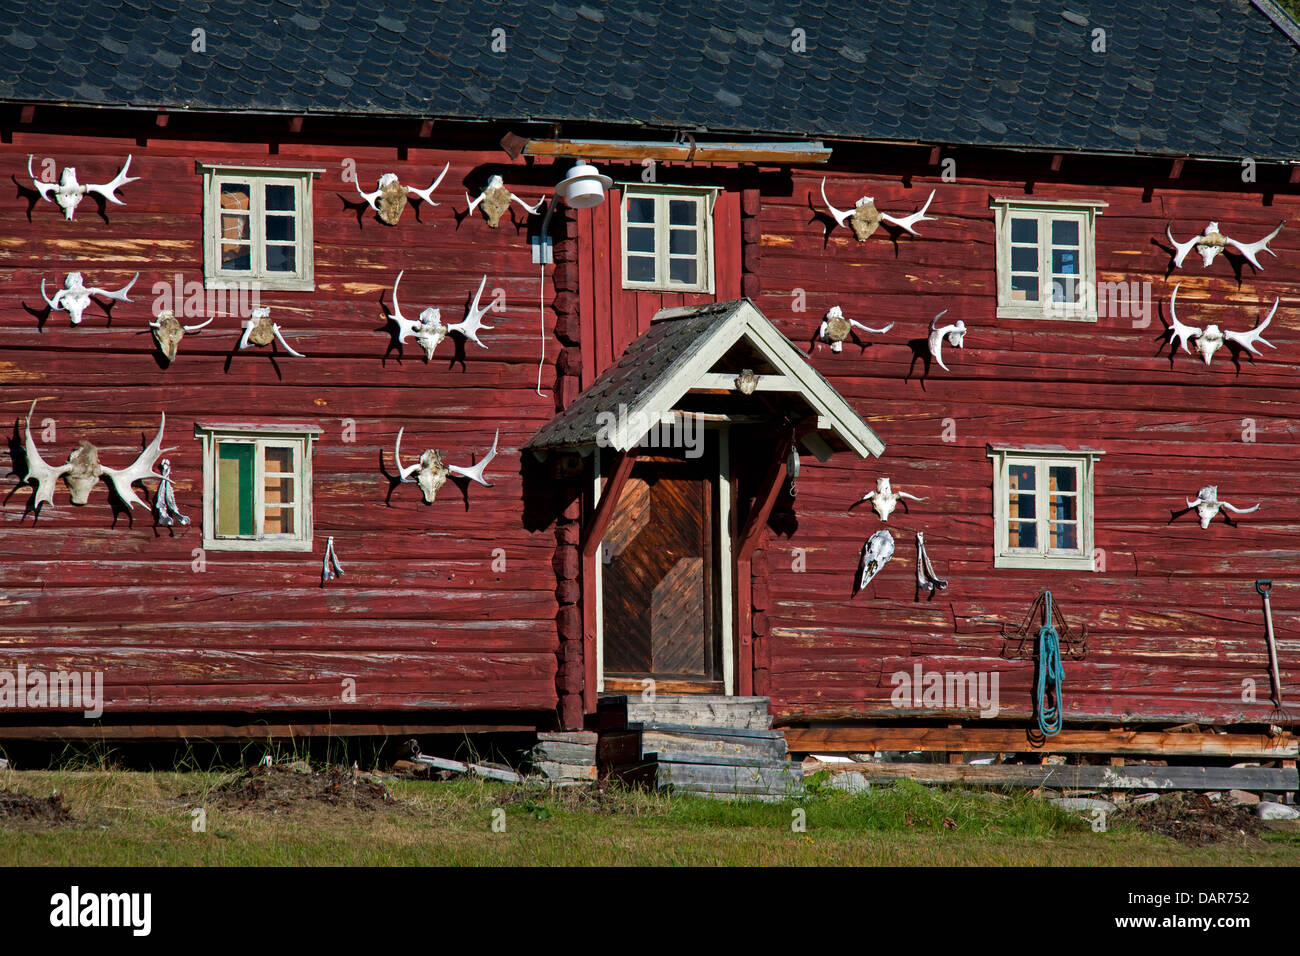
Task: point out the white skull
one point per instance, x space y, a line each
1207 504
1212 243
75 295
1209 342
431 331
875 554
432 474
957 335
69 193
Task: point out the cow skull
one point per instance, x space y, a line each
75 295
955 334
884 499
1211 242
83 469
875 555
389 200
430 471
496 200
835 328
168 332
428 328
260 330
1207 505
1212 338
68 193
864 217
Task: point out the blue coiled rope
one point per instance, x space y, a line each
1050 670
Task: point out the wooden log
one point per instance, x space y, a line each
1062 776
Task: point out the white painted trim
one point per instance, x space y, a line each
705 198
303 444
1006 557
766 383
597 577
214 277
1043 212
728 623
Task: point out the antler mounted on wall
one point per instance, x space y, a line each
1207 504
389 200
864 218
428 328
67 193
1210 339
955 334
885 499
1211 242
260 330
430 471
75 295
496 199
835 328
83 470
168 332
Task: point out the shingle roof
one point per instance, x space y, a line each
1201 78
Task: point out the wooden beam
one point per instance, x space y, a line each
25 116
233 732
836 740
766 383
295 124
590 542
720 152
1177 169
426 129
1064 776
756 520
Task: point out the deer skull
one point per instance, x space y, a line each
75 296
496 200
168 332
389 200
1211 242
955 334
83 470
875 555
430 471
1207 505
67 193
835 328
884 499
864 218
1212 338
428 329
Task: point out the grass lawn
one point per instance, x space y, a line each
145 818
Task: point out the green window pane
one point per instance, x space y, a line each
235 489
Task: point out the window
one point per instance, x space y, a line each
668 238
257 487
257 227
1042 508
1046 259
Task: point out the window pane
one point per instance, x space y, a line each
1023 534
235 195
682 212
235 256
1065 537
1063 507
1065 232
640 269
1022 483
681 242
1065 261
640 239
234 226
1024 259
1024 230
278 460
281 259
234 489
1024 288
682 270
1064 478
640 209
278 520
1065 290
279 197
281 228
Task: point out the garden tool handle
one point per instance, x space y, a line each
1263 586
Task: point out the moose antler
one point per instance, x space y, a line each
907 222
75 295
955 334
1211 242
425 194
122 478
38 471
1247 340
427 327
67 193
472 324
865 209
475 472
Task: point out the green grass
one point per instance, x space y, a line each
134 818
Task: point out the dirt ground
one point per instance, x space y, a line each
279 787
21 811
1194 819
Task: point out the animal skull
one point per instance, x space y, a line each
1212 338
864 218
428 328
75 296
835 328
389 200
1211 242
260 330
875 555
1207 505
67 193
884 499
168 332
430 471
496 200
926 578
83 469
955 334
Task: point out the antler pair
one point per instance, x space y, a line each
428 327
75 295
430 472
67 193
1211 242
864 217
1210 339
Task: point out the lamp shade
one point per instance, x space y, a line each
584 187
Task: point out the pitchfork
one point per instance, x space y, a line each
1279 719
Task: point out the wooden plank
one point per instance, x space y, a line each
722 152
1076 777
992 740
233 732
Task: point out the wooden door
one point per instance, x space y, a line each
659 575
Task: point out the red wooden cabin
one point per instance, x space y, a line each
1058 449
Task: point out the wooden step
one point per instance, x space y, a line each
716 778
720 760
700 711
701 741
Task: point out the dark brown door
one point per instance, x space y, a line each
660 574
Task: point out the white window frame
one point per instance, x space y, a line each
1044 211
706 197
258 177
1005 556
301 439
